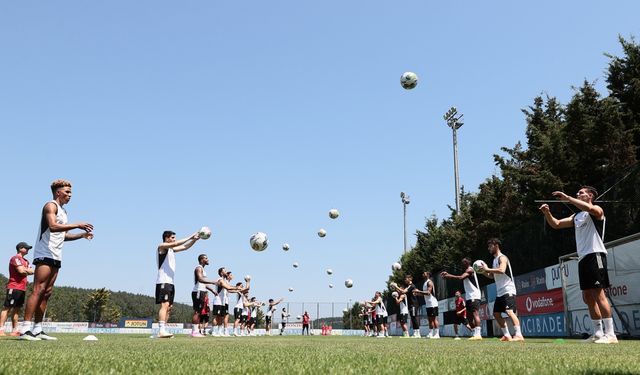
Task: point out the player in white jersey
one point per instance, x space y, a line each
271 309
221 302
589 226
284 317
47 257
381 314
237 311
472 294
505 301
166 263
199 293
431 303
403 315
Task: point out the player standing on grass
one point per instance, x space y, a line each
271 309
403 315
413 305
47 254
16 287
461 315
473 295
237 312
431 304
165 290
199 293
284 317
589 226
506 290
221 302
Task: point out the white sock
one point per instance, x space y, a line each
435 332
194 329
26 326
505 331
478 331
37 328
161 325
609 330
517 329
597 327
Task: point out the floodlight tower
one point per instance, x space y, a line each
454 121
405 202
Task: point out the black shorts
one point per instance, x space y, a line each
404 318
197 299
47 262
267 320
473 305
460 320
504 303
15 298
432 311
219 310
250 320
237 313
165 293
283 324
413 311
244 318
381 319
204 318
592 271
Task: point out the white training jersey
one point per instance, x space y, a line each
270 310
381 309
222 293
49 244
471 286
245 309
238 301
285 317
198 286
254 312
166 267
217 300
431 300
403 306
504 281
589 234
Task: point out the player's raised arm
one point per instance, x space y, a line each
567 222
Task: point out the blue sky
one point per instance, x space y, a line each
261 116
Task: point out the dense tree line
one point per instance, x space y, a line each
592 140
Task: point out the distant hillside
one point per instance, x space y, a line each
66 303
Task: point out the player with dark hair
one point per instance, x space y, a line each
472 295
19 270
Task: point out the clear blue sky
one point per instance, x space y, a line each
261 116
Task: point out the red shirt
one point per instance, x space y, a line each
461 307
17 280
305 319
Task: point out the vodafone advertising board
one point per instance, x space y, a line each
547 302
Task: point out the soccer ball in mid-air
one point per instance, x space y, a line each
329 271
409 80
478 264
348 283
333 213
204 233
396 266
259 241
291 289
322 233
285 247
394 294
330 285
295 264
299 317
247 278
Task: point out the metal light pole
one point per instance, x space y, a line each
350 322
453 119
405 202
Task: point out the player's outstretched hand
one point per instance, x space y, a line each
444 274
544 208
87 227
560 195
195 236
87 235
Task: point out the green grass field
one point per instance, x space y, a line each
138 354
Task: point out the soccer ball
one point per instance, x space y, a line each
348 283
396 266
408 80
329 271
299 317
259 241
247 278
393 285
295 265
333 213
291 289
346 311
477 264
330 285
285 247
322 233
204 233
394 294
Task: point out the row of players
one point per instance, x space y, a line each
589 226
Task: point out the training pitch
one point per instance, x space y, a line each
138 354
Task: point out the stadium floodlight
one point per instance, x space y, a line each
454 121
405 202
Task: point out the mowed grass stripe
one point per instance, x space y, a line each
138 354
